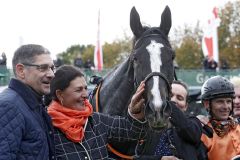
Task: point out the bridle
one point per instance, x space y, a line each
154 33
162 76
151 75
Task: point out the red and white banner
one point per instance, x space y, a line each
98 55
210 37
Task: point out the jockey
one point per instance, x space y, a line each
217 95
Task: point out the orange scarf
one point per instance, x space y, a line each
70 122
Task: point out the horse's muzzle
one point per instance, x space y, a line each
157 119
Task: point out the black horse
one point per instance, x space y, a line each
151 60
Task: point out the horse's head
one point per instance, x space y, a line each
152 61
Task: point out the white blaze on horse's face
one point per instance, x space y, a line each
154 50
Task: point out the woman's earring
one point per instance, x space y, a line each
61 101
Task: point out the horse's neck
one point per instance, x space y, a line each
117 90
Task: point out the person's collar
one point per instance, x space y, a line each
27 94
37 95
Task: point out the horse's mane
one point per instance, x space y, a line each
115 69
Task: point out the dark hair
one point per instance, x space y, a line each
63 77
184 86
27 54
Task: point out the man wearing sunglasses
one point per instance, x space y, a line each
26 131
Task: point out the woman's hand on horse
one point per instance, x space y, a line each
136 107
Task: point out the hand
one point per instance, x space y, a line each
136 106
169 158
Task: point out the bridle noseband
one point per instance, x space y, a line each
160 75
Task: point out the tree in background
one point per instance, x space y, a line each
116 52
186 42
113 53
229 34
71 53
88 53
187 45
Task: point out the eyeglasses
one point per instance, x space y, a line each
41 67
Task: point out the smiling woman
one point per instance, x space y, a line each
78 129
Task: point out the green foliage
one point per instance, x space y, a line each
113 53
88 53
71 53
116 52
189 55
188 47
186 42
229 34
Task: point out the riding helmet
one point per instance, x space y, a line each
216 87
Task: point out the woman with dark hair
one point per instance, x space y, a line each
79 132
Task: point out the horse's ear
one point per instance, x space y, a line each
135 23
166 20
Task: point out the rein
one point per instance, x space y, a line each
97 100
108 145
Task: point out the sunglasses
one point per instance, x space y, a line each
41 67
